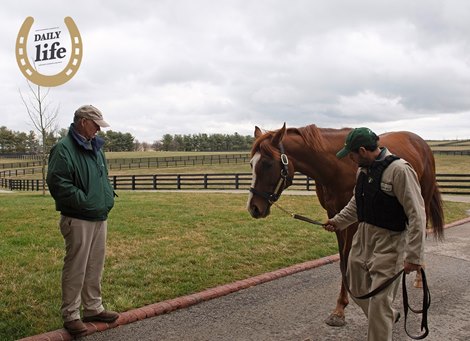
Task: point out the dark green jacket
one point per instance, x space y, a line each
78 178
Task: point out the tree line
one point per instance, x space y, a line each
16 142
205 142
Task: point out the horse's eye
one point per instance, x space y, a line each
266 164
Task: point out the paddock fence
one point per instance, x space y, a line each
457 184
23 168
35 167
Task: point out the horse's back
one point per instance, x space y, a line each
417 152
413 149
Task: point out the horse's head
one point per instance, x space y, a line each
271 171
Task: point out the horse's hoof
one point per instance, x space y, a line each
335 320
418 283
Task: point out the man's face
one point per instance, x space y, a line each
361 157
89 128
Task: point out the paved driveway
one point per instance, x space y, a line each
294 307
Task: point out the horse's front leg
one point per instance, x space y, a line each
337 317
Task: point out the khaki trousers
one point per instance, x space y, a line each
85 246
376 255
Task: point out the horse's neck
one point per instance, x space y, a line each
321 165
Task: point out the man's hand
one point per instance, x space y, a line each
330 226
410 267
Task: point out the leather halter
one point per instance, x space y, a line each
281 184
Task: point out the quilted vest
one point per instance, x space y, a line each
374 206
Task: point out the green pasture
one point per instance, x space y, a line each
458 164
151 154
160 246
448 144
137 155
453 164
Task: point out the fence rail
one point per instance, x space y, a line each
33 167
20 156
448 183
451 152
222 181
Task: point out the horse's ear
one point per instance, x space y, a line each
258 132
279 136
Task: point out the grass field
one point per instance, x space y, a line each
458 164
160 246
444 164
462 144
455 164
128 155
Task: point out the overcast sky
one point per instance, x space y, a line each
188 67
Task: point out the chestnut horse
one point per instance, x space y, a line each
312 151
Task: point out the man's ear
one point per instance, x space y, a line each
362 151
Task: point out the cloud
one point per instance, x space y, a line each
201 66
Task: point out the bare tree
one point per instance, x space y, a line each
44 120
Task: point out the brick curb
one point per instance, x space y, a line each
458 222
167 306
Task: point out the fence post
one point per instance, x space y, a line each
237 181
154 181
206 181
178 181
133 182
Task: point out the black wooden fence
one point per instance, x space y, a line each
33 167
448 183
177 161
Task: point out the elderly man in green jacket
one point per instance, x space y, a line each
78 181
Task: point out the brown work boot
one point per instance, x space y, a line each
75 327
107 316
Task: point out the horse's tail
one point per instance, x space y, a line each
436 214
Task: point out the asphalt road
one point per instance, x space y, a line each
294 307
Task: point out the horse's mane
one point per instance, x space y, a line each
265 147
310 134
312 137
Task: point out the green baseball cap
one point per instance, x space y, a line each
359 137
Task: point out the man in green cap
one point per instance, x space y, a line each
389 207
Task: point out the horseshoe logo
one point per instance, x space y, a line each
45 80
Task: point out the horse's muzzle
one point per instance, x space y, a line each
257 213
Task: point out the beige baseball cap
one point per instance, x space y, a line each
92 113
